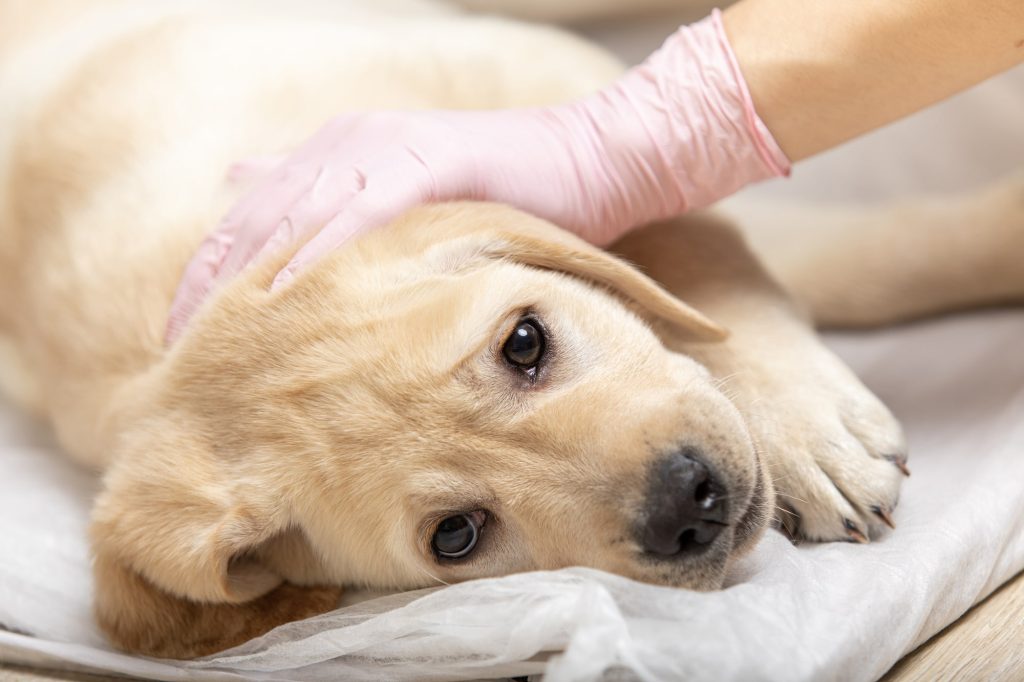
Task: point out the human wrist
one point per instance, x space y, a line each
699 109
679 131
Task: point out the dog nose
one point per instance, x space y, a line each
685 506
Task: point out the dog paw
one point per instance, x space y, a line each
836 454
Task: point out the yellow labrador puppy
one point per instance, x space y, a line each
468 392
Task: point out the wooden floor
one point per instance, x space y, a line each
987 643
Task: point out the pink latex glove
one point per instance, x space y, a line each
675 133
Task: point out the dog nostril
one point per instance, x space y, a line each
687 539
685 508
704 496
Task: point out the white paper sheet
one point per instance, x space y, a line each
844 612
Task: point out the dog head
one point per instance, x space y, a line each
470 392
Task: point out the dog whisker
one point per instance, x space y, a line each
788 511
792 497
721 382
434 577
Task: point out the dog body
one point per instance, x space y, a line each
320 436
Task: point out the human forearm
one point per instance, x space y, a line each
821 73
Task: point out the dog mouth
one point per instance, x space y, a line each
701 571
755 516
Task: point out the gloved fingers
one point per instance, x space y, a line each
248 171
221 253
265 212
260 167
379 203
262 213
278 183
330 193
196 282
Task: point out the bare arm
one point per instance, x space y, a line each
823 72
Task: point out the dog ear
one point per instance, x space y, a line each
553 249
175 565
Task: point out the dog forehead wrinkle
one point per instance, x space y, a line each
451 257
352 362
443 325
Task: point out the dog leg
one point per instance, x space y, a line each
856 267
834 451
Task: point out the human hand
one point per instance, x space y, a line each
676 133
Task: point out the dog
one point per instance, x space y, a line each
467 392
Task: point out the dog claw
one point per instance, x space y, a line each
885 516
901 463
855 533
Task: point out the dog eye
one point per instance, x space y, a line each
456 536
525 346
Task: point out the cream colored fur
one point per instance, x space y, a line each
295 442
